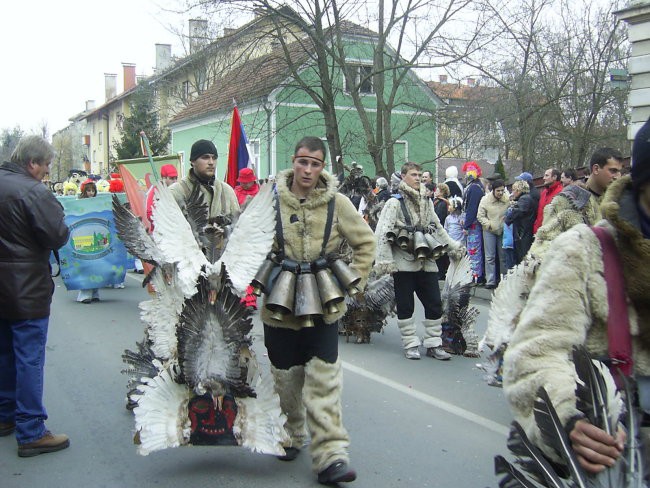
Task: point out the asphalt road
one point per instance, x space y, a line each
413 423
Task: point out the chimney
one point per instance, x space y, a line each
129 76
163 57
471 81
90 105
110 85
198 34
442 78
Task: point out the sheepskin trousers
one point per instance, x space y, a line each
310 389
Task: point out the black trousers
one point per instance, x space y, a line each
425 286
288 347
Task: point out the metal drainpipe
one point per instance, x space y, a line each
269 112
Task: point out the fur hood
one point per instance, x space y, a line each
325 190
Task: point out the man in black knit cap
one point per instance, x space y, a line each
219 196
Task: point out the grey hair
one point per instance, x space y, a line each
32 149
382 182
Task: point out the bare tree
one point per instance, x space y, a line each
330 32
552 66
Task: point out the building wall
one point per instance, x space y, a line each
637 16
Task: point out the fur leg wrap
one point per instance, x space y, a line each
407 329
288 386
322 398
432 333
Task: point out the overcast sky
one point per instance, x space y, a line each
55 54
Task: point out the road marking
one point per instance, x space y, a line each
430 400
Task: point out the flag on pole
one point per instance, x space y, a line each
238 157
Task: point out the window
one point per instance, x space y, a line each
100 137
185 90
254 153
362 76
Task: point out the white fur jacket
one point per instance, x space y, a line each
568 306
391 258
303 226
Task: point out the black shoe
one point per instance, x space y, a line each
86 300
490 286
290 453
337 472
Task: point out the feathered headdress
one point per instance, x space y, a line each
471 168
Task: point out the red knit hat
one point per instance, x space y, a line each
168 171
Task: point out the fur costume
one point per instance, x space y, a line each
572 206
304 227
322 399
389 258
571 280
220 198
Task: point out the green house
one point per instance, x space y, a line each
277 111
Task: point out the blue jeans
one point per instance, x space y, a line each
22 359
493 257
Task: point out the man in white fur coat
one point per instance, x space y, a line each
568 306
304 356
410 274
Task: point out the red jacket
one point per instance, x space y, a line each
545 198
241 193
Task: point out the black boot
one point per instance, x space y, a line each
337 472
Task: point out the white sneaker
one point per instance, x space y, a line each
412 353
438 353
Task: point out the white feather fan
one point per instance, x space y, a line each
161 417
259 425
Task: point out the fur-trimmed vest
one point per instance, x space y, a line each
391 258
303 228
221 200
570 207
568 306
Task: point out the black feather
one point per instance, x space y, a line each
140 364
133 234
514 478
531 459
553 435
591 396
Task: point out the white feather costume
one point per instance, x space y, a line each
197 330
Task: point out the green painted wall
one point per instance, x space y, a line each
296 116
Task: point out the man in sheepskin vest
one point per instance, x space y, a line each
218 196
568 306
412 208
574 204
304 355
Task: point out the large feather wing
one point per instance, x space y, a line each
134 235
251 240
508 302
211 339
161 314
161 417
176 240
260 421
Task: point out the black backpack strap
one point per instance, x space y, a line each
328 224
279 234
405 211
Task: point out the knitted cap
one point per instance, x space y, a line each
168 171
201 147
641 156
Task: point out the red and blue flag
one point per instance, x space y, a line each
238 157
